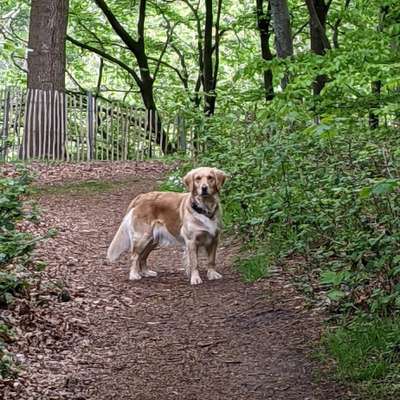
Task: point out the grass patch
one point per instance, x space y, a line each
83 187
367 355
254 267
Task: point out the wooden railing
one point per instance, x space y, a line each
52 125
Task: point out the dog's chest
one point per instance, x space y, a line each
206 224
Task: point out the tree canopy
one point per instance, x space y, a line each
358 45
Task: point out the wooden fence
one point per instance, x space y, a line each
51 125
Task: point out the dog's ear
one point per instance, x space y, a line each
220 177
188 181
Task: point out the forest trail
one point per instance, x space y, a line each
158 338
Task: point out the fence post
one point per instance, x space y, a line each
5 123
90 133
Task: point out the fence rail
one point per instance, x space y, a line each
53 125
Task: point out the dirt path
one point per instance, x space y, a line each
158 338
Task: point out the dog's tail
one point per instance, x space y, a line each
123 238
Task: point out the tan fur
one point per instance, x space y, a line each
159 218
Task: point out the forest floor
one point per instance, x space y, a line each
158 338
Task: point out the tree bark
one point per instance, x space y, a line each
318 12
44 128
282 28
263 24
209 96
283 32
376 91
144 80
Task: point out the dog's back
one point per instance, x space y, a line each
156 212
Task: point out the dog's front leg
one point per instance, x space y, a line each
211 253
192 252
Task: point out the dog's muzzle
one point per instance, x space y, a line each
204 190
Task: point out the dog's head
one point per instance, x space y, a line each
204 181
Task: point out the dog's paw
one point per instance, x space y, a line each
195 279
212 274
149 273
134 276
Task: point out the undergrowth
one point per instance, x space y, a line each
327 194
253 267
16 246
367 352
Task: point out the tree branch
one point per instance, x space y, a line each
106 56
142 16
300 29
14 61
181 77
335 28
216 46
164 49
81 88
118 28
181 60
199 37
100 77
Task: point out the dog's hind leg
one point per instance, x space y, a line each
141 249
138 247
134 273
143 260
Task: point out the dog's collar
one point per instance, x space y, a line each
196 207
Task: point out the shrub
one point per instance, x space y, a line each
15 251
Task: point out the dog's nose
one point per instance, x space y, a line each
204 189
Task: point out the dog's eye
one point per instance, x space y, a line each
198 178
210 178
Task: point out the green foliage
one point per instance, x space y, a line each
308 177
6 363
173 183
367 353
326 192
15 250
253 267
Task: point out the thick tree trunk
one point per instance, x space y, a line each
263 24
282 28
44 133
283 32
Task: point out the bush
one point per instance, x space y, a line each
310 180
328 193
15 251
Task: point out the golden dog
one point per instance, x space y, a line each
161 218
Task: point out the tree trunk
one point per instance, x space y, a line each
376 85
145 81
263 24
318 11
45 120
376 91
283 32
209 96
282 28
